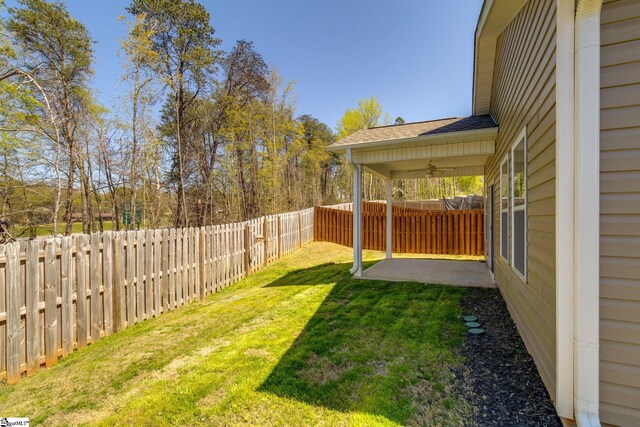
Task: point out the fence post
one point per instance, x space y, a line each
95 278
107 275
201 262
66 291
299 230
279 236
247 249
265 239
118 269
51 280
13 312
32 330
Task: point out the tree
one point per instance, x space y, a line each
140 72
55 49
399 121
245 85
319 165
366 116
186 58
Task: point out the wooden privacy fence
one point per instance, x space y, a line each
424 232
61 294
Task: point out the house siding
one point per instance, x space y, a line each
620 213
524 95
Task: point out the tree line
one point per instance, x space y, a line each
196 136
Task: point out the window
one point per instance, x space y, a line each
518 180
504 209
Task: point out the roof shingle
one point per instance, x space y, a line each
417 129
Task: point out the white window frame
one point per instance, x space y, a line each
522 136
501 210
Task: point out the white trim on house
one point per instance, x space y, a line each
586 285
356 270
388 184
504 181
564 170
522 137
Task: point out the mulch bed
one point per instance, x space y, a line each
499 378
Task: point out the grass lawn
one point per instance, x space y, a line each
299 343
47 229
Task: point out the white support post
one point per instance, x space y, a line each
389 190
564 206
586 291
356 270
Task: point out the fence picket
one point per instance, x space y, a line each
51 277
32 330
172 269
66 292
81 301
131 277
96 280
107 281
148 273
140 304
166 262
13 312
157 268
119 297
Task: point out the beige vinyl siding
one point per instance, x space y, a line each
524 95
620 213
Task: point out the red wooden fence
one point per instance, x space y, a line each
414 231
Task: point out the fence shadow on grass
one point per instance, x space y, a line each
371 347
322 274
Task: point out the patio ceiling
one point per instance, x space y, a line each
454 147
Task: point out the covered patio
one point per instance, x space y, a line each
435 271
437 148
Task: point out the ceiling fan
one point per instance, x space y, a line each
432 170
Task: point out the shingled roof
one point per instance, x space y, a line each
417 129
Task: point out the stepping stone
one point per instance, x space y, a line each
476 331
472 324
470 318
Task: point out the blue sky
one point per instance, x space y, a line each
415 56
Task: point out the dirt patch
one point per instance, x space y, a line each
256 323
499 378
379 367
319 370
257 352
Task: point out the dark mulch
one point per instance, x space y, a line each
499 378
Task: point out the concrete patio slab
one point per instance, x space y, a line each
441 272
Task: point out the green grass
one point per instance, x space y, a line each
47 229
299 343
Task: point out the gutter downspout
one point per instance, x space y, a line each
587 213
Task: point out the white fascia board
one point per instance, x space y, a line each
440 138
426 152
